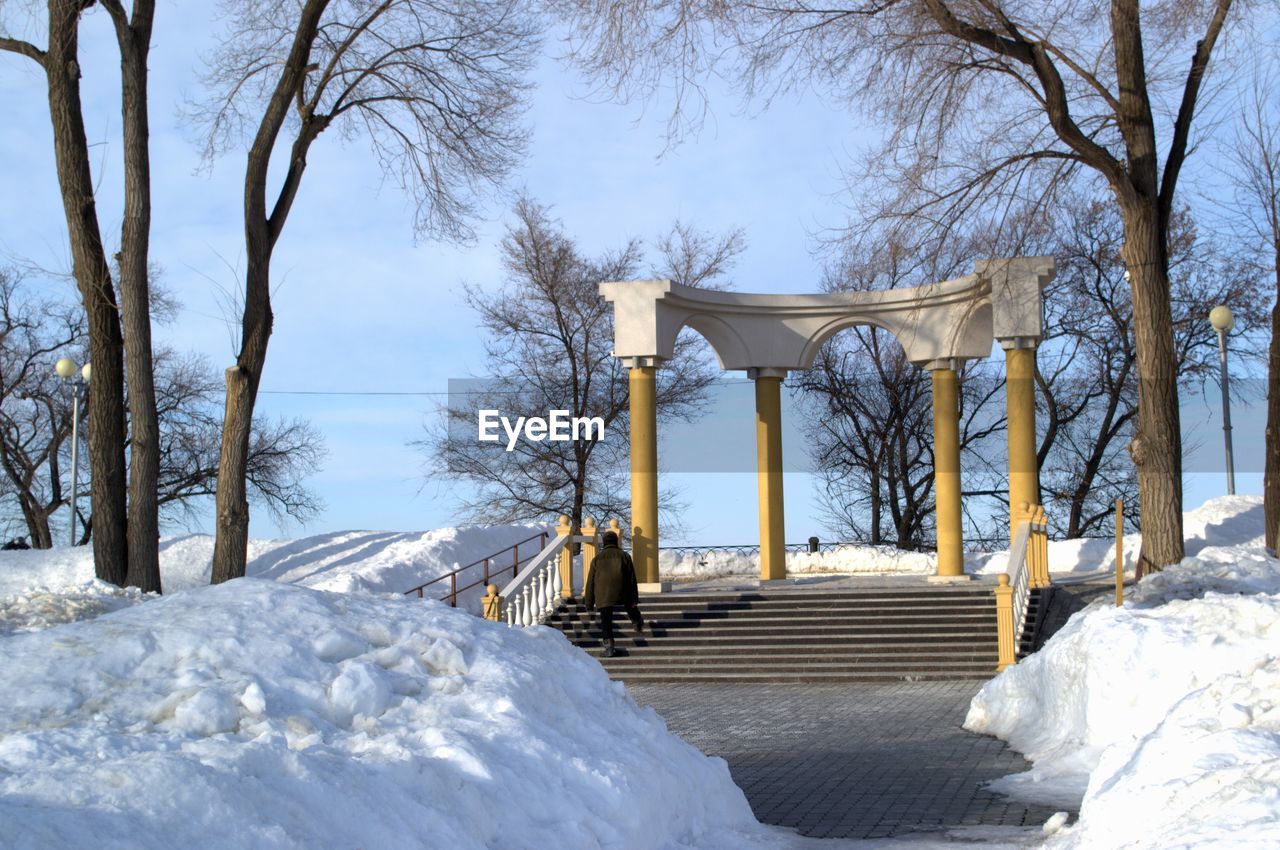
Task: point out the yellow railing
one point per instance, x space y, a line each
1028 570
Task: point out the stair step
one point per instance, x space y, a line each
842 678
791 635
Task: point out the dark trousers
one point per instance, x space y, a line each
606 618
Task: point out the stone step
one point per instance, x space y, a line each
808 678
737 603
791 635
700 615
727 662
768 637
689 619
802 595
823 647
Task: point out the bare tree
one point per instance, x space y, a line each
35 426
35 412
872 433
436 89
282 453
549 348
126 543
1254 158
986 102
1087 368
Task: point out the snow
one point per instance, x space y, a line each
1161 718
41 588
264 714
313 705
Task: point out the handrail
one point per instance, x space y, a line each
1028 569
452 576
541 587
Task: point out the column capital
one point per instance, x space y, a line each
1014 343
642 362
952 363
757 372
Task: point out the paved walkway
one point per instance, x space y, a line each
850 761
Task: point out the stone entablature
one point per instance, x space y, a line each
954 320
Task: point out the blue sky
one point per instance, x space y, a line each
360 307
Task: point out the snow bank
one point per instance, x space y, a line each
258 714
1164 715
850 559
41 588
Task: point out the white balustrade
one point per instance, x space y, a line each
535 593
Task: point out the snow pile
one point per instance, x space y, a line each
1164 715
36 585
42 607
846 559
258 714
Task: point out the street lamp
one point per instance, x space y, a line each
1222 320
66 369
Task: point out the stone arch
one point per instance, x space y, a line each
939 325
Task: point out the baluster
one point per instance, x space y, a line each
511 610
527 609
557 585
548 588
537 595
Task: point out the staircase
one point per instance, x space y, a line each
792 635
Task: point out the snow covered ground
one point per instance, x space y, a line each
41 588
1065 557
1163 715
275 712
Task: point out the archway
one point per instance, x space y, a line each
939 326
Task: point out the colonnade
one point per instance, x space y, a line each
940 327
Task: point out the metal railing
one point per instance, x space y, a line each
489 569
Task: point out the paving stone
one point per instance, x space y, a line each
849 761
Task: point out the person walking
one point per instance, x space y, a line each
611 581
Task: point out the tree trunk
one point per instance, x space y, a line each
1271 468
1157 446
230 548
876 509
93 277
144 456
231 545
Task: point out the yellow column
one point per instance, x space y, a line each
1020 401
566 558
946 470
589 546
773 556
644 473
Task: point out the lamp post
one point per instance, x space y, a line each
66 369
1222 320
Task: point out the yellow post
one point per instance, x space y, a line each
1006 639
773 555
1038 547
644 473
566 558
592 534
1020 402
492 604
1119 552
946 471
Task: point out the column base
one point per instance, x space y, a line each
960 579
654 586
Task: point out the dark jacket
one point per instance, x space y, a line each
611 580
